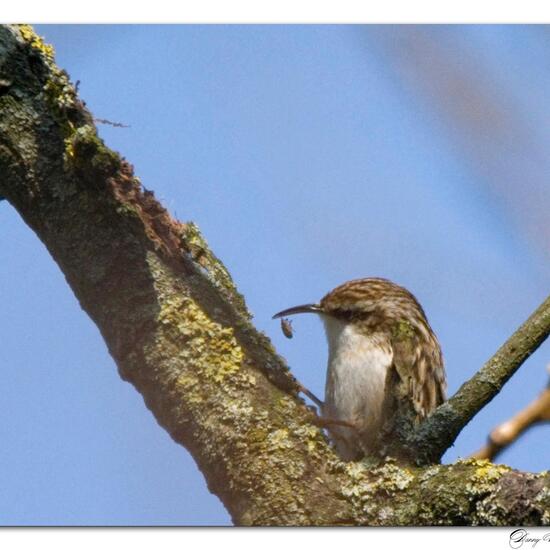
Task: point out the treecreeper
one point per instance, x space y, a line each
385 367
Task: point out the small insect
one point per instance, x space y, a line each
286 327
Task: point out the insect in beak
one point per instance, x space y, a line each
286 327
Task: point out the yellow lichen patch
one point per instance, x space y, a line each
368 484
485 476
311 435
485 470
249 380
36 42
355 470
285 404
488 472
239 412
279 439
226 356
58 89
391 477
210 347
354 488
429 472
69 150
265 441
188 384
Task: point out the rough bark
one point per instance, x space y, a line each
180 333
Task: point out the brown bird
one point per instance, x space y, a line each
383 355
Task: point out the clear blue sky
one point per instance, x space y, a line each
308 156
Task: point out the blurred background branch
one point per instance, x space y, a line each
537 412
487 107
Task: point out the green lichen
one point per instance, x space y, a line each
60 94
543 501
370 484
86 152
58 91
312 437
128 209
196 245
279 440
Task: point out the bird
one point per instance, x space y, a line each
383 357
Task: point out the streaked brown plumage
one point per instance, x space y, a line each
383 355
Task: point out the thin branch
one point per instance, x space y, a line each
505 434
110 123
439 431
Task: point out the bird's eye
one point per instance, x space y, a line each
346 314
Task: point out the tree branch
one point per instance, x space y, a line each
438 432
505 434
180 332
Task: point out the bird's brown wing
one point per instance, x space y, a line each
417 378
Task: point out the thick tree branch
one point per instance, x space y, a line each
181 334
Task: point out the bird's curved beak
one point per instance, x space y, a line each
306 308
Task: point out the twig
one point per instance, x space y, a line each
438 432
311 395
109 123
506 433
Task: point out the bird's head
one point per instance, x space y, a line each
369 303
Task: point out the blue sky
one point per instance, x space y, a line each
308 156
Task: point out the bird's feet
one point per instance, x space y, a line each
311 395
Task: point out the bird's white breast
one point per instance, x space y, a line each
356 377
